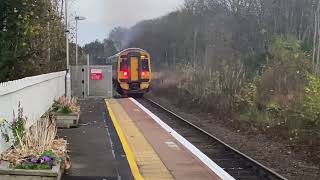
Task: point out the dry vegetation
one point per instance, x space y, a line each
38 138
281 102
34 141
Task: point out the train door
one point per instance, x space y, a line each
134 64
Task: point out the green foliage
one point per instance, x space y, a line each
61 109
18 130
273 108
25 39
18 127
64 105
4 130
288 49
247 98
284 77
49 153
255 117
311 105
45 161
32 166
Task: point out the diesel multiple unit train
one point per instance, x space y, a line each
131 70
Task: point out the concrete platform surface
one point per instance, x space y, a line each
95 150
151 145
148 162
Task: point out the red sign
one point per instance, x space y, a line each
96 74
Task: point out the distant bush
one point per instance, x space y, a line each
216 90
285 75
284 97
287 49
311 103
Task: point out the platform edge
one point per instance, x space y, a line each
129 153
194 150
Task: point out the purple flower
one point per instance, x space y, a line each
46 158
34 160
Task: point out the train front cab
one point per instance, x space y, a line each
134 72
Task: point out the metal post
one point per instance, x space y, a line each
88 74
76 42
68 80
67 33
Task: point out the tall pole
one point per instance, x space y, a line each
88 71
68 80
67 34
77 18
76 42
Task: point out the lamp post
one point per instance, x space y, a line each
77 18
67 78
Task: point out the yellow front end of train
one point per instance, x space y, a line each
131 71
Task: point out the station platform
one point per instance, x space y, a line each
96 152
152 151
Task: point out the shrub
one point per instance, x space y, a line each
221 85
247 98
17 128
255 117
311 104
287 49
285 75
64 105
32 142
273 108
33 147
4 130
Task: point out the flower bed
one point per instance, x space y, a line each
34 151
66 112
9 173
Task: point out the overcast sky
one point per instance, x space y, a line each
103 15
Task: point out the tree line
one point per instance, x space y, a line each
32 38
204 31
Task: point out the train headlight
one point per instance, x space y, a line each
125 73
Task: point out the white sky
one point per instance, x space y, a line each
103 15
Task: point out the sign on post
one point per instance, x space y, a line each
96 74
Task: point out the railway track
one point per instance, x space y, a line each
237 164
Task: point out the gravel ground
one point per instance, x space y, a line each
275 155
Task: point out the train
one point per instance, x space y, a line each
131 72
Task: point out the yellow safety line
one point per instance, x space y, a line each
130 156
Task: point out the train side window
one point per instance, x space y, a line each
124 64
145 65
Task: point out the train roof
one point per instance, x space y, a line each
128 49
